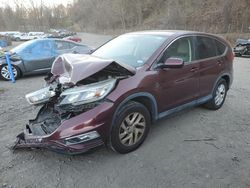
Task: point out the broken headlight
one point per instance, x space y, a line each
40 96
87 93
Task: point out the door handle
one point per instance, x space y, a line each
194 69
219 62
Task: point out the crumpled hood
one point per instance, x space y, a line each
72 68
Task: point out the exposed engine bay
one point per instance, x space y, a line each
76 84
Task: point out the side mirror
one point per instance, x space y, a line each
172 63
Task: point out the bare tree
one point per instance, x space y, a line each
100 15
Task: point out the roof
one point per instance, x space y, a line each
43 39
58 39
166 32
176 33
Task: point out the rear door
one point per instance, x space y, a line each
178 86
209 53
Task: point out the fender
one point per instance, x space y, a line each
135 95
19 64
220 76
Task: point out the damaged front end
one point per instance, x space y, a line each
75 109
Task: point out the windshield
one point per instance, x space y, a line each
21 47
131 49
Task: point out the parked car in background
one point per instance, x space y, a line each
37 56
114 95
242 47
65 33
47 35
60 33
5 40
4 33
29 36
73 38
18 36
12 34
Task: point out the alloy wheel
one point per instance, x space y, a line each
220 94
132 129
5 72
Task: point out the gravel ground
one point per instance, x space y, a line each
218 158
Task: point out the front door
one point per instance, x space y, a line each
178 85
39 57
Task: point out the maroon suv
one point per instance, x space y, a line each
113 95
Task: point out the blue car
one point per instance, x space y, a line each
36 56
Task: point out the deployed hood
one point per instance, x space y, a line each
72 68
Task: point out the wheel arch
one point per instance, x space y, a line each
145 98
228 80
225 76
19 66
149 103
19 71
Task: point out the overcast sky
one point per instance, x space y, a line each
37 2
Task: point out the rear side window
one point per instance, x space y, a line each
71 45
205 47
220 47
62 45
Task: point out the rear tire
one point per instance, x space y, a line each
130 128
219 95
4 72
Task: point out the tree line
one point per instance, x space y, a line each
216 16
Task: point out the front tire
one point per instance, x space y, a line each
130 128
5 75
219 95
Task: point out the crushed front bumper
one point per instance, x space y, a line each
97 120
23 142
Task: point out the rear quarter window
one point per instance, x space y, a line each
221 48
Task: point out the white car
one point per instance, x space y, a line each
28 36
4 33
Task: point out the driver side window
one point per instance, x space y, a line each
181 48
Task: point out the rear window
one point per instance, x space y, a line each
205 48
220 47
